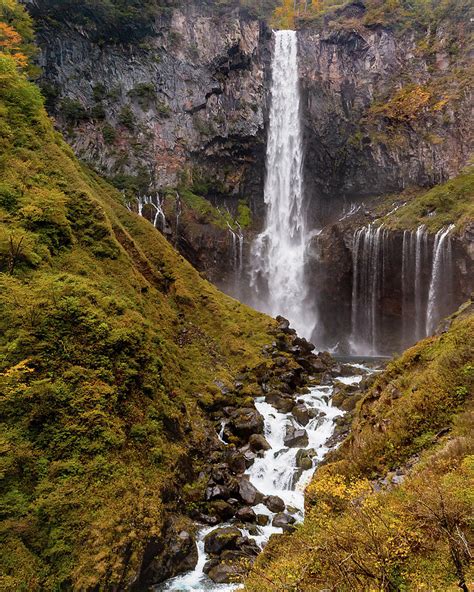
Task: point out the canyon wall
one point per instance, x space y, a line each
183 112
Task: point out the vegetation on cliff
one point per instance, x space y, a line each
391 508
110 342
412 14
445 204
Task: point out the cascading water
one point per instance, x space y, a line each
425 284
368 264
276 472
278 253
441 278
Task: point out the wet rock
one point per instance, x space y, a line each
174 553
284 521
249 494
301 414
245 422
237 463
304 459
283 324
225 572
274 503
217 492
222 509
205 518
248 546
257 442
245 514
317 365
249 457
262 519
295 437
221 538
282 403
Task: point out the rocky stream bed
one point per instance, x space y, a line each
268 453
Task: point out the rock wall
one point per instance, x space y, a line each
384 109
185 105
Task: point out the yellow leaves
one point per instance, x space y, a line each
405 105
18 369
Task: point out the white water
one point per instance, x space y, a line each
278 253
275 473
440 274
426 286
159 219
368 268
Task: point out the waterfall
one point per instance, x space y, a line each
278 253
156 204
425 278
441 278
368 265
421 238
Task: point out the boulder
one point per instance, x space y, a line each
301 414
245 514
304 459
217 492
257 442
282 403
222 509
245 422
221 538
237 463
295 437
226 572
274 503
248 493
174 553
283 324
284 521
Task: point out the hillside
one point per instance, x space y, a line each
110 342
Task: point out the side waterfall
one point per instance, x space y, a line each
441 278
425 285
278 253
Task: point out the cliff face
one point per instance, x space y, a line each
383 109
185 105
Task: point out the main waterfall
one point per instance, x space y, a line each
278 253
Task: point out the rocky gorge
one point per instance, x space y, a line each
160 434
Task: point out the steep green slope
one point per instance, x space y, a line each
392 508
110 344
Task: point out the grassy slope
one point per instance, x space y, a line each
108 342
445 204
412 537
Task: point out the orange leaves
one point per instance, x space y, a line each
405 105
10 42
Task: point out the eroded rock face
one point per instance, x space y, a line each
352 152
203 103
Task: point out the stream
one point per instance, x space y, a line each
276 472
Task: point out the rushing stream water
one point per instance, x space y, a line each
274 473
